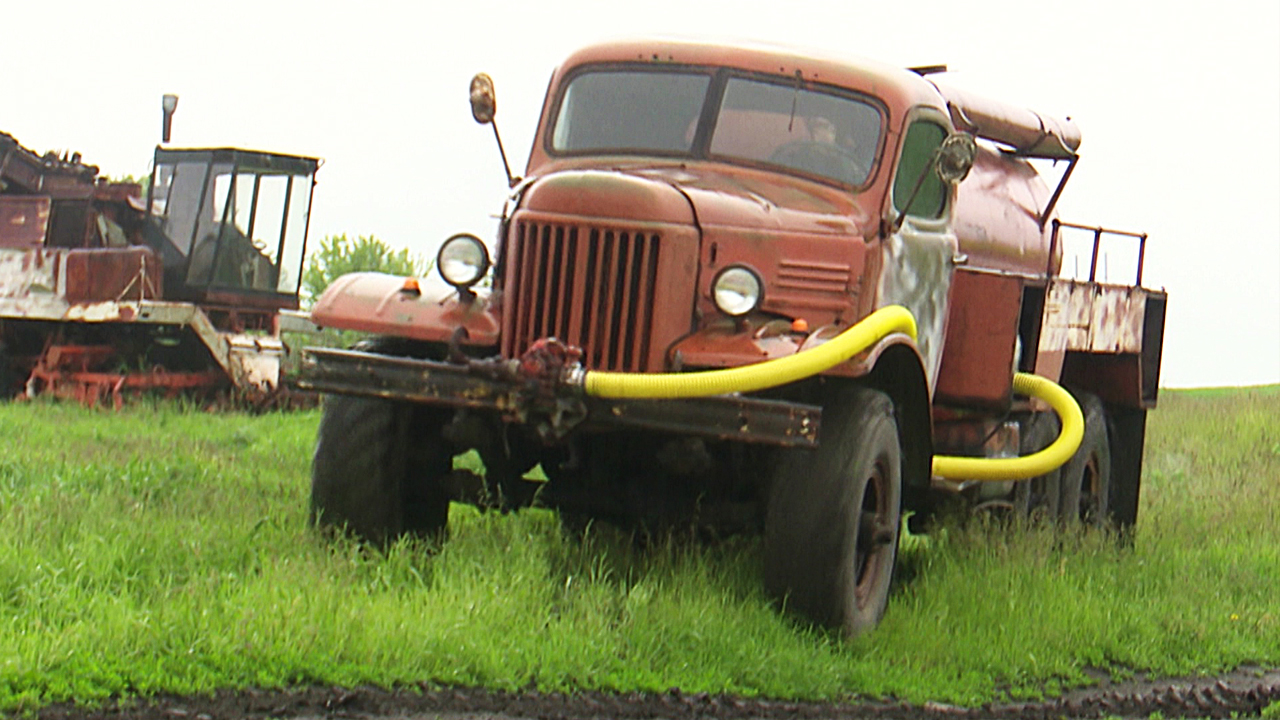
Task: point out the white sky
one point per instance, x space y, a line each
1179 105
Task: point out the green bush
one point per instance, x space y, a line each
339 255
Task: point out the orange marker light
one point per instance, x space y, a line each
410 287
799 325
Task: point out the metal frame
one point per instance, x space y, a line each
1098 231
481 387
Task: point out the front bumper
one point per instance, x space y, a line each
553 406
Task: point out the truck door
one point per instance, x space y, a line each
919 256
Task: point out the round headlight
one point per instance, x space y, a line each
736 291
462 260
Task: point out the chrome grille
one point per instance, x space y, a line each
589 286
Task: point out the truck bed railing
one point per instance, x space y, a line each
1098 231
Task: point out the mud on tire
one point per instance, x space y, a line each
831 531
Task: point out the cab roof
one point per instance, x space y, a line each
899 88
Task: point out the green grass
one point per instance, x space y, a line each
162 550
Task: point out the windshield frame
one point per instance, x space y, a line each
704 133
285 209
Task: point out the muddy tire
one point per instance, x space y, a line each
1086 478
1038 498
9 383
377 470
831 530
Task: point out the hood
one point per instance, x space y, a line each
705 194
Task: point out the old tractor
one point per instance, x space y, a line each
107 290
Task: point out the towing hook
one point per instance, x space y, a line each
543 373
455 345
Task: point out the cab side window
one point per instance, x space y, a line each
923 138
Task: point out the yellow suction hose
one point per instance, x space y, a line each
758 376
1027 466
859 337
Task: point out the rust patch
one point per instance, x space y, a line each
24 220
978 356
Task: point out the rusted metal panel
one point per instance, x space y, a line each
1117 319
32 274
24 220
95 275
1068 307
1105 339
1116 378
1090 317
377 303
45 174
721 418
997 211
977 361
816 277
50 283
726 346
78 372
255 361
976 437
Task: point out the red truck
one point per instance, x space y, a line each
690 208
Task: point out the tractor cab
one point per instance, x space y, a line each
230 225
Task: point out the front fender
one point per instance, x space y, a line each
379 303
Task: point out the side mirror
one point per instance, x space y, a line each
955 157
484 102
952 161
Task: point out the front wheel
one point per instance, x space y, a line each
831 530
378 469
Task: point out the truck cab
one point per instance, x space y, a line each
691 207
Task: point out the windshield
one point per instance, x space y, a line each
630 111
238 227
755 121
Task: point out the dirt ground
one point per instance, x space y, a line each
1243 693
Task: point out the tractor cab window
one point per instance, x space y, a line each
234 252
176 194
236 220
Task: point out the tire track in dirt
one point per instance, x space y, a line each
1243 693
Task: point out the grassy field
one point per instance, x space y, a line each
157 549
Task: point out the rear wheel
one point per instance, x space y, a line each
378 468
1086 478
831 531
1038 498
